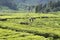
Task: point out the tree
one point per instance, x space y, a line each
38 8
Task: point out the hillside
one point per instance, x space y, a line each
18 26
29 19
30 5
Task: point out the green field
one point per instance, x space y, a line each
18 26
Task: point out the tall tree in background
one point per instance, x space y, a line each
38 8
51 6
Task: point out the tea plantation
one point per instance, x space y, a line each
30 26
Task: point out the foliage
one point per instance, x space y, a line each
44 27
31 5
51 6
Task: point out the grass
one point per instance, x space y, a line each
44 27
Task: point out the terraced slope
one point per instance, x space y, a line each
20 27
